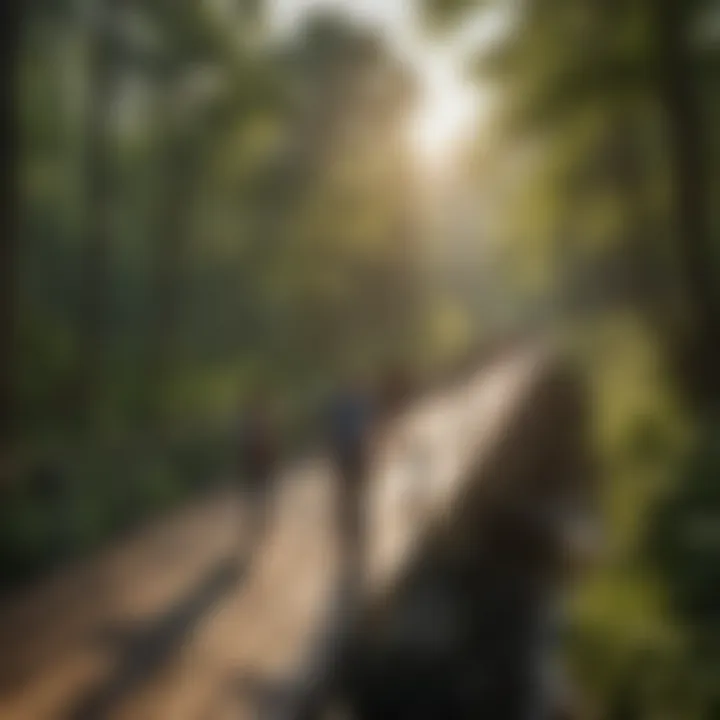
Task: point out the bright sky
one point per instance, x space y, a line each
451 104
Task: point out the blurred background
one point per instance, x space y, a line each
205 196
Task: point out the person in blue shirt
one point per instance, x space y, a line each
350 422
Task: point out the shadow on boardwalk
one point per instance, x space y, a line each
142 652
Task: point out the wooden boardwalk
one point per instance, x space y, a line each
167 626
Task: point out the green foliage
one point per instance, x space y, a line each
262 228
644 640
604 164
442 14
257 231
684 544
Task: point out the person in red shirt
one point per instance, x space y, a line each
258 464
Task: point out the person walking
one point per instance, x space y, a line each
258 464
350 429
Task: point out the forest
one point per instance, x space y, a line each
196 206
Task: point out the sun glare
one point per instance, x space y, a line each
444 113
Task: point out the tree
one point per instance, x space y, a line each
350 188
687 151
207 85
11 22
95 274
569 65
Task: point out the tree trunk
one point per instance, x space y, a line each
11 23
689 175
93 311
167 273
